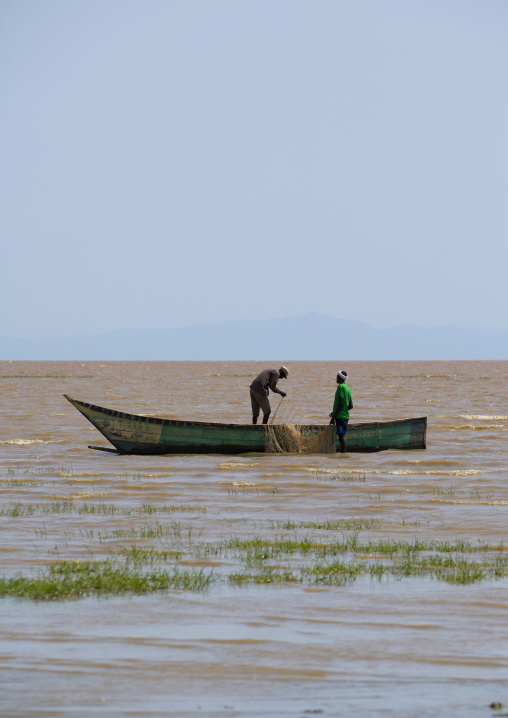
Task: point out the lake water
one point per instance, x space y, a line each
414 646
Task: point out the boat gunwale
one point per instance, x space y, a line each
218 425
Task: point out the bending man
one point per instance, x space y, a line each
259 391
341 406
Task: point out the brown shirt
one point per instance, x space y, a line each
267 379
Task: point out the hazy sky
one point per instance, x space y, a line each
165 163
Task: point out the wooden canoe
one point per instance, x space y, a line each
134 434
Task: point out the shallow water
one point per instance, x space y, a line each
411 647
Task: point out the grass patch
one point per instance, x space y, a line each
19 509
45 470
284 560
339 572
353 524
459 570
341 476
448 492
335 572
62 506
147 556
21 482
149 509
267 575
77 579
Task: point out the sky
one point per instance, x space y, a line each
165 163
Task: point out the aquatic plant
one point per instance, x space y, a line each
19 509
341 476
150 555
77 579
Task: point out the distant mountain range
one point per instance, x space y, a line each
311 336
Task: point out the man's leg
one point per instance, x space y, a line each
263 402
255 407
341 425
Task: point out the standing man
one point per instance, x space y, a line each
259 391
341 406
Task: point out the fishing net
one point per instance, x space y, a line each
287 434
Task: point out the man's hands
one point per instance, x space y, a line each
283 394
332 418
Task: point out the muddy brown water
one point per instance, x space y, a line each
410 647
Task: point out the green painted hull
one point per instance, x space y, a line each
133 434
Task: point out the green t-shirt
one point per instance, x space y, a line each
343 392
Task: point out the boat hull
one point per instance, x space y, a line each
135 434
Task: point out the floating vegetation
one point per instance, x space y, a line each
338 572
340 476
21 482
153 531
451 491
246 489
460 571
137 543
61 505
19 509
353 524
77 579
267 575
140 556
415 523
256 548
285 559
40 470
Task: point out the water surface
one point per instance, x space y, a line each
415 647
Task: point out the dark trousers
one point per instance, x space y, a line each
259 402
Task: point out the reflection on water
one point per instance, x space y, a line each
411 646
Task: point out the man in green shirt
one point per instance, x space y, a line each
341 406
